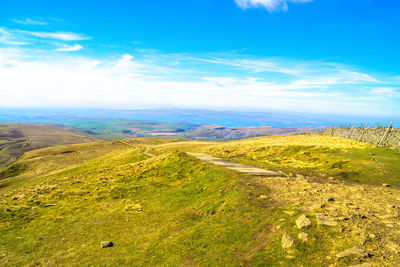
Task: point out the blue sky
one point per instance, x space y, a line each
314 56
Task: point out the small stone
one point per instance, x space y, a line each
323 219
386 185
287 241
352 252
303 237
303 221
290 213
107 244
140 210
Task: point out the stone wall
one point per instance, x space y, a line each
380 136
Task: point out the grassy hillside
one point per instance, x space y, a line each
17 138
174 210
320 157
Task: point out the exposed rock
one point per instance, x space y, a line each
352 252
323 219
316 205
107 244
287 241
303 221
303 237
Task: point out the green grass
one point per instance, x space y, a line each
172 210
184 203
314 156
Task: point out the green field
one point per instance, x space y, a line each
175 210
113 129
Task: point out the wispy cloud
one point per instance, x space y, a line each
270 5
63 36
29 21
386 92
9 39
70 48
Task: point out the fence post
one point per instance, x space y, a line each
351 132
362 132
385 135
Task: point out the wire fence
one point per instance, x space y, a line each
385 136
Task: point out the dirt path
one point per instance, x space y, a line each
128 144
146 152
234 166
368 216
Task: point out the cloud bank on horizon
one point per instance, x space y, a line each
150 79
44 64
270 5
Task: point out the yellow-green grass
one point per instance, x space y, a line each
172 210
316 156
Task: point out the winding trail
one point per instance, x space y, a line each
251 170
235 166
146 152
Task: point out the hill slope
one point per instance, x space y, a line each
17 138
175 210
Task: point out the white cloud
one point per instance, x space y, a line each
71 48
386 92
270 5
8 39
63 36
29 21
131 82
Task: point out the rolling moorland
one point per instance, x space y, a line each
338 204
17 138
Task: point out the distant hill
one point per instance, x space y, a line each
17 138
232 133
